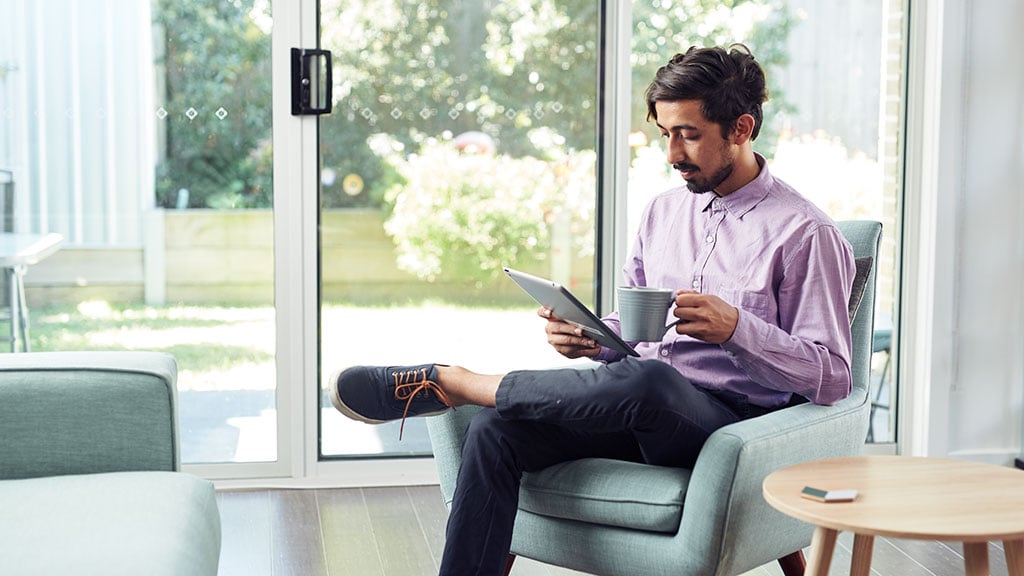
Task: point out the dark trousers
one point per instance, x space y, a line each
641 411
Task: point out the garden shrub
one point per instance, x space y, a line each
462 217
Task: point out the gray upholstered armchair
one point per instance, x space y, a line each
612 517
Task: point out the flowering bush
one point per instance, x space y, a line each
464 216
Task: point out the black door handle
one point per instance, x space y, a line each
311 82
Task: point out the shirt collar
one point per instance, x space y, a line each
751 194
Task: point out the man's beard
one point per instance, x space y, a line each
700 185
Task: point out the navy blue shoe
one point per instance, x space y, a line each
378 394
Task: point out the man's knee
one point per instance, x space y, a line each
654 383
656 371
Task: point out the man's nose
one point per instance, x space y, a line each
675 153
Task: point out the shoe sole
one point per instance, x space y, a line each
332 392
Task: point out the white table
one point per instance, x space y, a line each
17 253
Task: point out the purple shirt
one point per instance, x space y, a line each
772 254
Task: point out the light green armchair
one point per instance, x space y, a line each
89 469
620 518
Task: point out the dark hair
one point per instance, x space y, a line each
727 83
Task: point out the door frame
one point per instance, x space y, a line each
295 171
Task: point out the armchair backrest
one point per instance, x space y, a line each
864 236
724 499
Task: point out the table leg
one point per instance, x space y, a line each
822 545
976 558
1014 550
863 544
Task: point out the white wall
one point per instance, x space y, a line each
963 372
76 117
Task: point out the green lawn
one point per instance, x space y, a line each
201 338
233 347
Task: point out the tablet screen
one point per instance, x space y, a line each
567 307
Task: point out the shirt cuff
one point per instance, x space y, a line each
749 337
607 355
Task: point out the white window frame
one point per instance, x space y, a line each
935 128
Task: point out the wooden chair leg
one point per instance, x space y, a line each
793 564
512 558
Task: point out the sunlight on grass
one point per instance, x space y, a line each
217 348
233 347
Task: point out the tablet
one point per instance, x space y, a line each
567 307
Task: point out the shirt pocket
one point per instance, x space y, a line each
760 304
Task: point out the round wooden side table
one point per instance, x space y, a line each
906 497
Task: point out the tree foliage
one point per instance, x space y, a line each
523 72
217 97
666 27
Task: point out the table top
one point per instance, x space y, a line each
906 497
27 249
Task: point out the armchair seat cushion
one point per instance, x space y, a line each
608 492
130 523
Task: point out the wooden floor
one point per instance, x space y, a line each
400 532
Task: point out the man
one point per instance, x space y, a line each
763 281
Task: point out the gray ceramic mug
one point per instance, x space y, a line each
643 312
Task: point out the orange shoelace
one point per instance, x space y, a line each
409 383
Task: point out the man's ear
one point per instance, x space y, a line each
744 128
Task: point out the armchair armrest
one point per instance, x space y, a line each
724 497
446 435
87 412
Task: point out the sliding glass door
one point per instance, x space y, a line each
463 139
141 132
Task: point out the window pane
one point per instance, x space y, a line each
140 133
833 123
463 140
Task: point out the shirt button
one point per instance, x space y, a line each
709 239
696 284
664 351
